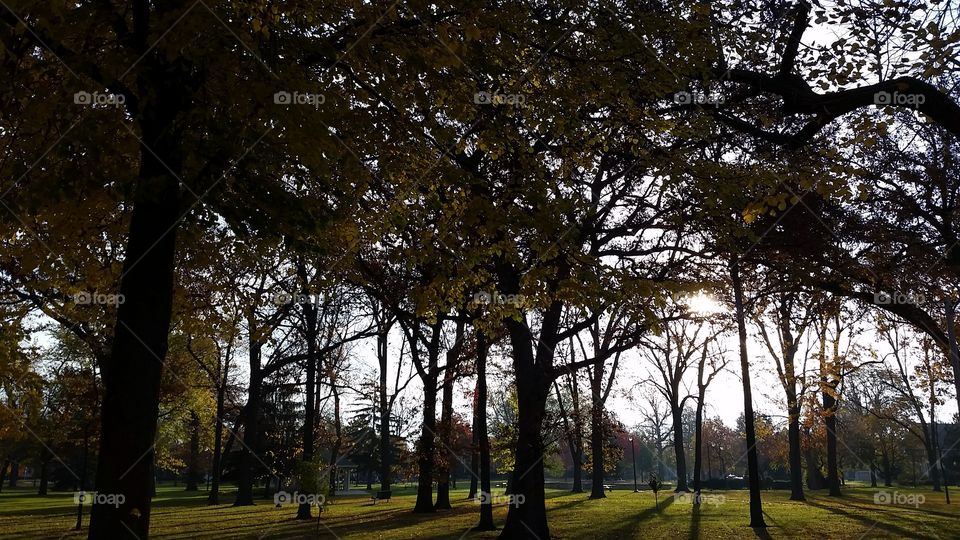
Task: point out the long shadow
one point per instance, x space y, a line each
695 523
906 533
626 529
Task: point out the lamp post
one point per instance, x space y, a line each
633 454
723 470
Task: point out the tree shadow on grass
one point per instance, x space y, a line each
627 529
906 533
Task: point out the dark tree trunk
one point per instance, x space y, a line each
446 422
678 450
796 464
337 440
950 305
474 450
131 378
815 479
251 425
753 464
14 474
214 497
486 504
833 471
428 433
309 407
528 520
698 446
44 474
425 449
3 473
386 449
596 448
193 468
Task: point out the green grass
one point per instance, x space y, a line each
624 514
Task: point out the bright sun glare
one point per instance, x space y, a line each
702 304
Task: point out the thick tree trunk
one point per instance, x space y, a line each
14 474
529 520
597 444
386 449
337 439
833 470
193 468
44 474
214 497
950 305
486 504
753 464
131 379
309 407
698 446
474 450
796 463
443 468
446 422
251 425
425 449
678 449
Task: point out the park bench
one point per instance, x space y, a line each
608 487
380 496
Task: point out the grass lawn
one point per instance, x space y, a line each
623 514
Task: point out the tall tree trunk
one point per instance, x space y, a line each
597 444
950 305
678 449
486 504
753 463
474 449
529 520
251 425
131 378
698 438
14 474
425 449
309 407
796 464
386 448
44 473
214 497
193 468
337 439
446 421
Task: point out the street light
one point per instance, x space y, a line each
633 453
723 470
